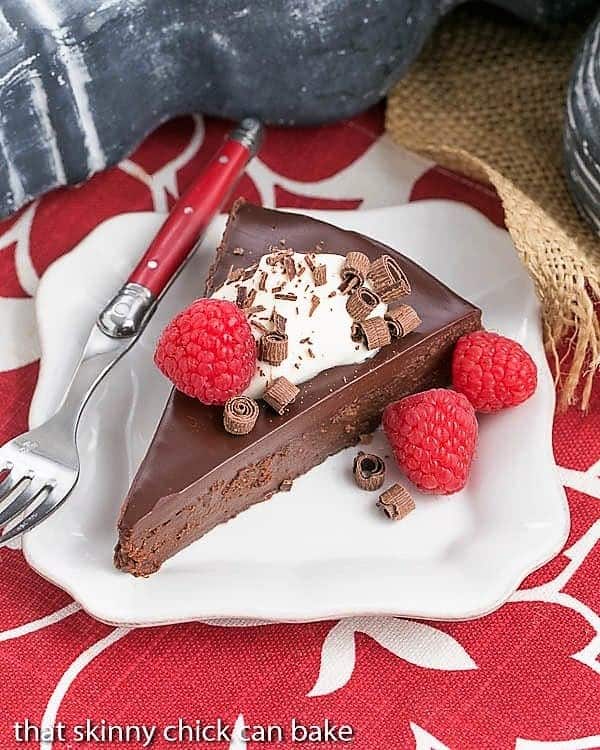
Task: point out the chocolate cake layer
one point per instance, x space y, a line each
195 475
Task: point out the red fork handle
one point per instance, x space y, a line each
196 208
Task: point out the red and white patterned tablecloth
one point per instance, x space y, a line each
526 677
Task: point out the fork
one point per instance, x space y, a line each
39 469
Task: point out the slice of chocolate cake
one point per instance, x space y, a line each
195 474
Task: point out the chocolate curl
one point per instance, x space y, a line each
396 502
273 348
240 415
356 333
388 279
354 271
280 394
373 331
402 320
356 264
369 471
361 303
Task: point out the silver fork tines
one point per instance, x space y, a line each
45 505
23 495
14 487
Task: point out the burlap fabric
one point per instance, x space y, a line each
487 98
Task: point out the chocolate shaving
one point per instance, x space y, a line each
373 331
279 321
235 274
361 303
238 251
308 259
286 485
396 502
388 279
259 326
253 310
320 274
242 294
240 415
369 471
332 294
240 299
290 267
250 298
262 283
280 394
287 296
279 255
402 320
314 303
249 272
311 354
273 348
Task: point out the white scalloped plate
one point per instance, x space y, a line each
322 550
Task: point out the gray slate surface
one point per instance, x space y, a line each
83 81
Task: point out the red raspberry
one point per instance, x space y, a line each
492 371
433 435
208 351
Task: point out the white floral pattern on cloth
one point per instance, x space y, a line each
526 677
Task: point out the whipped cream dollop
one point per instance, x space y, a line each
318 326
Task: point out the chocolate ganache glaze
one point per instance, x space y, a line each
195 475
